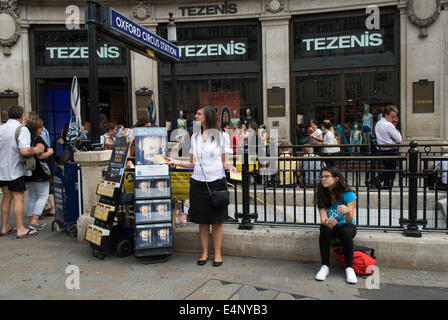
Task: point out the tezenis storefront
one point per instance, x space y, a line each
220 66
59 54
342 70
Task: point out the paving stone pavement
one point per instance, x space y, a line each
35 268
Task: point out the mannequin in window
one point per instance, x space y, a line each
248 116
367 124
181 122
355 138
235 121
379 114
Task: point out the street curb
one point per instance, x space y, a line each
392 248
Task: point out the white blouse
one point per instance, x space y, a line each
330 139
209 154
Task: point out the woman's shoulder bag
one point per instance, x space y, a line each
28 162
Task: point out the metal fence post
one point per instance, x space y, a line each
246 223
370 175
412 223
92 21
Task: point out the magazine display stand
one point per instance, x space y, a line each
110 230
152 194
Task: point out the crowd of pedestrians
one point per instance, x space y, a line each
24 136
17 143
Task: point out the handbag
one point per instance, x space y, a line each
28 162
218 198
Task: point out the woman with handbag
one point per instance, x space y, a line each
209 197
38 184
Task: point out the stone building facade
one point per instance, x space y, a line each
279 62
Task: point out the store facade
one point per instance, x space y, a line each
342 71
59 54
285 61
221 67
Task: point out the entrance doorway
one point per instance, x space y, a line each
342 96
53 102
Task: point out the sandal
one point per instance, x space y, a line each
9 232
28 234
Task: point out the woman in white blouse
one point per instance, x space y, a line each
330 139
209 159
316 135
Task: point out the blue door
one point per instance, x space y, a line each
55 111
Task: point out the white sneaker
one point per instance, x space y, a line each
351 276
323 273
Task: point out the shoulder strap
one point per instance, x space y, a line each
19 128
365 249
200 164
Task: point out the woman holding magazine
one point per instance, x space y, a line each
336 203
209 159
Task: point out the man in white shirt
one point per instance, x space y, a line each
386 133
12 173
443 166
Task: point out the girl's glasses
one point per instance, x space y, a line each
327 176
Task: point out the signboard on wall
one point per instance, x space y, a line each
235 49
7 98
423 96
342 36
276 102
61 48
59 53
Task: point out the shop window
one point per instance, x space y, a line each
225 93
342 96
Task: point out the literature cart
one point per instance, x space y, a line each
153 235
112 229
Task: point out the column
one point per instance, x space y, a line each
276 69
92 163
144 73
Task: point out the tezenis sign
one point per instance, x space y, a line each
73 52
225 8
344 42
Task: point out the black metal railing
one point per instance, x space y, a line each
281 188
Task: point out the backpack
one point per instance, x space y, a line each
360 259
28 162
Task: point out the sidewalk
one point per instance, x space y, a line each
35 268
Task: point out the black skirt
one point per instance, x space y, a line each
201 210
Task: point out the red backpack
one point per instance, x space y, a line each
360 259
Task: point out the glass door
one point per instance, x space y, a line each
54 109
